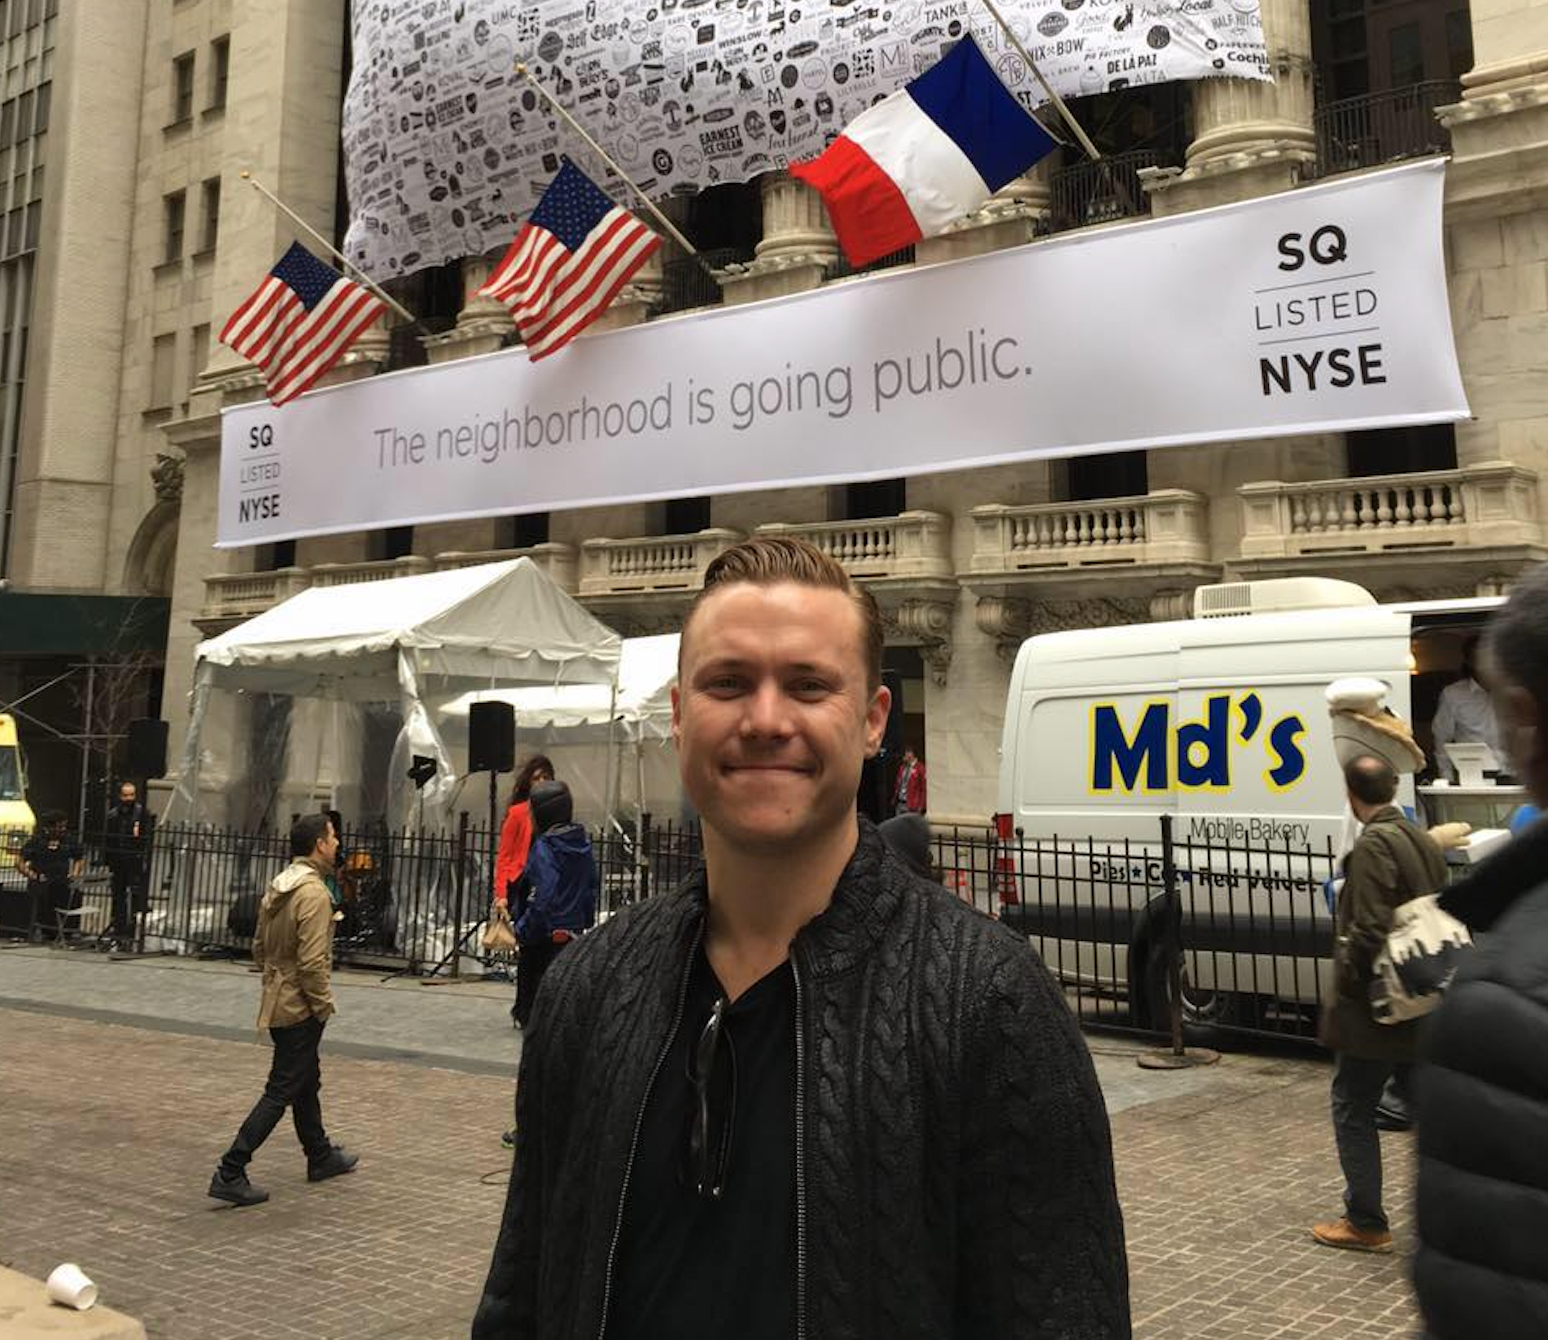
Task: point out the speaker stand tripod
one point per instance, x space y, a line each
433 977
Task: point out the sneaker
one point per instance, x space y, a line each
236 1190
1341 1233
509 1138
335 1163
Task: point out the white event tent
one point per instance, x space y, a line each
597 738
419 641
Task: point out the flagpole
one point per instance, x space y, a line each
328 246
1120 188
1092 151
683 242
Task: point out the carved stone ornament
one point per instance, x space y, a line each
167 476
1065 615
927 622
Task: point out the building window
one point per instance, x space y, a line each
1459 42
684 516
875 497
1116 474
1401 451
174 207
528 530
211 214
394 542
220 71
42 108
198 355
182 88
163 362
23 118
280 554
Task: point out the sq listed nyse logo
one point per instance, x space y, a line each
258 478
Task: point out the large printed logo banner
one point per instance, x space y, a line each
447 149
1317 310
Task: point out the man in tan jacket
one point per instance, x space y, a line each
293 948
1392 861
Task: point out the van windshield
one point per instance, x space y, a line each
10 774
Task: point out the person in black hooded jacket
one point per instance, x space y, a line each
808 1093
1482 1266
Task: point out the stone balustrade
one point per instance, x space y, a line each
379 570
1166 526
912 544
651 562
241 595
1477 506
557 561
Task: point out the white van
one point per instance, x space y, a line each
1220 722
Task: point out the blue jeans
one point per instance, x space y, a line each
1357 1085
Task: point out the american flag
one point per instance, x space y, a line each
299 322
568 261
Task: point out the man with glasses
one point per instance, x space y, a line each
808 1093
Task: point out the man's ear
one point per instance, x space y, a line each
876 714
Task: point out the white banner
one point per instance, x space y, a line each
1320 309
446 150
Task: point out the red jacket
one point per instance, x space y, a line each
915 795
515 841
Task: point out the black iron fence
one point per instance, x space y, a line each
410 901
1382 127
1222 929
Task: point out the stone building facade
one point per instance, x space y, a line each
965 564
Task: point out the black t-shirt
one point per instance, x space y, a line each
51 858
690 1268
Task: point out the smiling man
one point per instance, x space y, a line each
808 1093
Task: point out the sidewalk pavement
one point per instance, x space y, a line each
124 1080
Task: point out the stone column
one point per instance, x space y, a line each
1497 236
797 248
482 324
1251 138
1014 214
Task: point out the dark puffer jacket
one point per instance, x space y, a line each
1482 1266
955 1177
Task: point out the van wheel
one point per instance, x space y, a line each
1201 1009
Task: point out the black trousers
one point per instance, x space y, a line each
531 964
295 1081
1357 1085
126 883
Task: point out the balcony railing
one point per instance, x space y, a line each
558 561
1479 505
1088 193
912 544
1379 127
686 283
378 570
241 595
651 563
842 269
1167 526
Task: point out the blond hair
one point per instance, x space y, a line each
766 560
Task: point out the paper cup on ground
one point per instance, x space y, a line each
69 1287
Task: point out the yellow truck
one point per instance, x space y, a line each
16 817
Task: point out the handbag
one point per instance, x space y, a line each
1422 953
498 937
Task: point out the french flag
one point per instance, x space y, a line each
923 157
